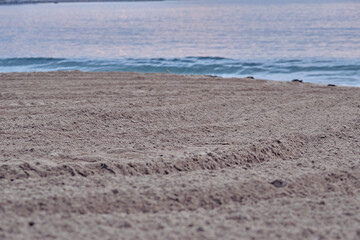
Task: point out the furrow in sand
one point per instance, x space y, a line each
204 158
207 156
176 192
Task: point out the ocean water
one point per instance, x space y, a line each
314 41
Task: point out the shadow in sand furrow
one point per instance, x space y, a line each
187 195
224 157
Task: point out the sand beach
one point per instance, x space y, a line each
162 156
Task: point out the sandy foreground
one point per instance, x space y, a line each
157 156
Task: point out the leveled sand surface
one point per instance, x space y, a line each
157 156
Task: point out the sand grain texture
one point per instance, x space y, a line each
156 156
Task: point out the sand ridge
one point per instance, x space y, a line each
161 156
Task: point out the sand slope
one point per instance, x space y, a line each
155 156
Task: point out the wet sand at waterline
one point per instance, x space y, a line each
161 156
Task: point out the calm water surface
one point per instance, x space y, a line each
316 42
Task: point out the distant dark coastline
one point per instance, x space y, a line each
13 2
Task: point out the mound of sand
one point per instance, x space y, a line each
156 156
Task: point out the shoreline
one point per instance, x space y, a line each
163 156
306 70
296 81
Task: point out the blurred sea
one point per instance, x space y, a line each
316 42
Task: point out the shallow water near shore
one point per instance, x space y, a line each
334 71
316 42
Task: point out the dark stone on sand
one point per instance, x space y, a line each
331 85
250 77
278 183
103 165
297 80
31 224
